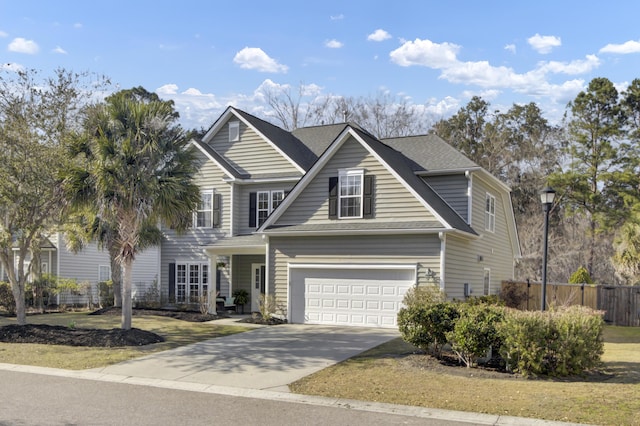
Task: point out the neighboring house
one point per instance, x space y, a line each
90 266
337 224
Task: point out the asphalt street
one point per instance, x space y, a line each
35 399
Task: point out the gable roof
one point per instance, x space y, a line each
430 153
213 155
396 163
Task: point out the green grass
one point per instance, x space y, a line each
176 333
382 374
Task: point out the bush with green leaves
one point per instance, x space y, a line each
555 343
475 333
7 302
580 276
426 326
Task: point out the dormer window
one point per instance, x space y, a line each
234 131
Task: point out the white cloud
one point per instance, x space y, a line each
3 34
60 50
544 44
333 44
12 67
77 25
21 45
339 17
579 66
510 48
379 35
425 53
254 58
631 46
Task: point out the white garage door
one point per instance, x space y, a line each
366 297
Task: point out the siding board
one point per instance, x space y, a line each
392 201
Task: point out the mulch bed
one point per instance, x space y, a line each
190 316
59 335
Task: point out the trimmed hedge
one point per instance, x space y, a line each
556 343
474 333
563 342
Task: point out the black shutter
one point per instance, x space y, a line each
172 282
217 201
253 208
367 199
333 197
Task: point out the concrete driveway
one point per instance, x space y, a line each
263 358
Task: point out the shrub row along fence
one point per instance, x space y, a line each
621 304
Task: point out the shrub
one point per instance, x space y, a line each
580 276
556 343
475 331
514 295
423 295
426 325
105 293
7 302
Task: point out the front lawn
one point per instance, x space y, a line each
394 373
175 332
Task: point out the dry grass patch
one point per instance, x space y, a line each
176 333
394 373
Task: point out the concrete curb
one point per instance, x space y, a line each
405 410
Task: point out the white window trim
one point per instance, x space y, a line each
201 290
195 214
486 289
100 268
490 216
234 131
345 174
270 206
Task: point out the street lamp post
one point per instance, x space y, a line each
546 196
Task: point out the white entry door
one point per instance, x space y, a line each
257 285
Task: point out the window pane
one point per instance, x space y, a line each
276 199
204 214
350 195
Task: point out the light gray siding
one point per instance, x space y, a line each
251 154
454 190
189 246
241 225
423 250
466 259
84 265
393 202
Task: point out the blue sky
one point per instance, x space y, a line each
206 55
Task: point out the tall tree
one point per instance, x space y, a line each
595 124
136 170
37 115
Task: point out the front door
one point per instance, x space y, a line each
257 285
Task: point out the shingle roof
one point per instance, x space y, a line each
318 138
285 141
220 159
430 153
346 226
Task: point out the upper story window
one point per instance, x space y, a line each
266 202
207 214
204 214
350 193
490 213
234 131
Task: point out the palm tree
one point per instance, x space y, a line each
133 169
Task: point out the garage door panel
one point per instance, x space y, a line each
364 297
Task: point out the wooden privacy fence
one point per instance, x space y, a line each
621 304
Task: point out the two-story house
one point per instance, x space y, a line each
336 223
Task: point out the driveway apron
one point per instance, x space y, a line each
262 358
